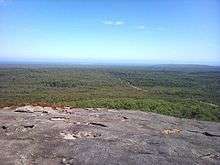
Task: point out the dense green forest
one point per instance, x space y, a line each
176 90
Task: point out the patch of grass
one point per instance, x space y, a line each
182 109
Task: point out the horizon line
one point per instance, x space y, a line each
11 62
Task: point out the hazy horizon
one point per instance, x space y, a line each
110 32
100 63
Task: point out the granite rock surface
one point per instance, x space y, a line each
42 135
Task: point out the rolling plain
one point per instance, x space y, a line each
185 91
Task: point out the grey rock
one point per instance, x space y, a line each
101 136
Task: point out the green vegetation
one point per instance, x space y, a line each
181 91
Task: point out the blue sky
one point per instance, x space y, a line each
114 31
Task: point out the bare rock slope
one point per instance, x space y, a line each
37 135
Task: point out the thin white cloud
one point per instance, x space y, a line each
108 22
141 27
113 23
118 23
152 29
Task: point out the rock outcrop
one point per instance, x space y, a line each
42 135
